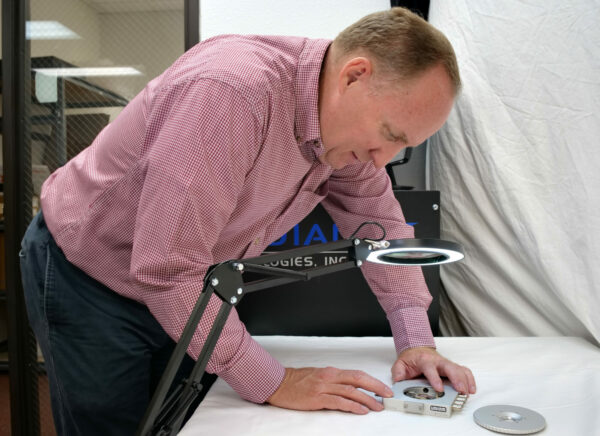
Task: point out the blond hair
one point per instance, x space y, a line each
401 43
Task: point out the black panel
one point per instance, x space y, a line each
419 6
339 304
192 23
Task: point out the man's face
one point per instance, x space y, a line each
364 122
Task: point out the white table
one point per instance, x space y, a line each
557 377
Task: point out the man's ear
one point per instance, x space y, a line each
355 70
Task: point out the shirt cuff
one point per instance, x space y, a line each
256 376
410 327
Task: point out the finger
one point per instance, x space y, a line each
334 402
354 394
457 376
361 379
471 380
430 372
398 372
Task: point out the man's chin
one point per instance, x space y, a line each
338 164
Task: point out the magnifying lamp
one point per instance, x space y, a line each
421 252
165 416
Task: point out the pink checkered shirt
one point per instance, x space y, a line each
214 160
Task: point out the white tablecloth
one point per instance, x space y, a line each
557 377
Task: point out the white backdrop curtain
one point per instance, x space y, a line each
518 165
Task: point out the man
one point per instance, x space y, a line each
215 159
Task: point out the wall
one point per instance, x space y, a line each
312 18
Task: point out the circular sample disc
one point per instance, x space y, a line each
509 419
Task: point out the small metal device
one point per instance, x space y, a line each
417 396
509 419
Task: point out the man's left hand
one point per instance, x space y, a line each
413 362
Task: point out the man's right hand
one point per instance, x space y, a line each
329 388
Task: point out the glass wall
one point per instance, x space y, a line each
86 59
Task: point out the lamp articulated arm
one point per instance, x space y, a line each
165 415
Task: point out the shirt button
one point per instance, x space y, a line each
257 241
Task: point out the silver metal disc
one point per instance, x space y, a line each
509 419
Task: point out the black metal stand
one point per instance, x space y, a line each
165 417
389 168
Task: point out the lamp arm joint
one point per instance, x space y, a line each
360 250
226 281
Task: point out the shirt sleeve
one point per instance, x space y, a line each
202 138
359 193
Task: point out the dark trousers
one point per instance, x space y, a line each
104 353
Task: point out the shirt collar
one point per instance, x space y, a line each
308 130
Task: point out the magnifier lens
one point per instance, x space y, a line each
408 257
